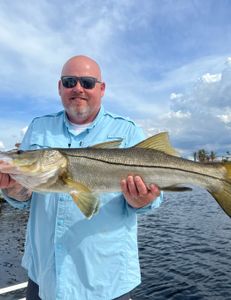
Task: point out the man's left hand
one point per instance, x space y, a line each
137 193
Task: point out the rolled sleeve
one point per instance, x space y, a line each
149 207
15 203
152 205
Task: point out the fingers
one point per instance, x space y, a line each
6 181
6 167
155 190
133 186
136 191
140 186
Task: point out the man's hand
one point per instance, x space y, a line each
6 181
137 193
10 186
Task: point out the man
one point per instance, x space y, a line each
66 255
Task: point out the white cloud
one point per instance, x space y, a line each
174 96
206 109
225 118
210 78
36 43
176 115
23 131
199 117
10 133
228 61
2 145
140 59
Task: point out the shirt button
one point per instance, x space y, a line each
60 222
59 246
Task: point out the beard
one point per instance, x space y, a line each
81 114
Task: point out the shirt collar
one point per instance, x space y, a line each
93 124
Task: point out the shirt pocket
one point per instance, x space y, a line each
46 140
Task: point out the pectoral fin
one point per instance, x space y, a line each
83 198
86 202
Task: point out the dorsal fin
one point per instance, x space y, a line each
108 145
158 142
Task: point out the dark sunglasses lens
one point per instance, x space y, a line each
87 83
69 82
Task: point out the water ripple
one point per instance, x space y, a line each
184 250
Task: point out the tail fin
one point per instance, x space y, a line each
223 197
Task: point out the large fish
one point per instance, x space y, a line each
85 172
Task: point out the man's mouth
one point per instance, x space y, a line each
77 98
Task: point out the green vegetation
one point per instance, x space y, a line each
204 156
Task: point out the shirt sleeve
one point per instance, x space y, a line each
15 203
154 204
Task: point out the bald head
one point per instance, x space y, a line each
82 104
84 65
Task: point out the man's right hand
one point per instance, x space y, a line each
6 181
13 189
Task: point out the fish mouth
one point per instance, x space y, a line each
5 159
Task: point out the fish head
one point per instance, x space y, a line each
33 161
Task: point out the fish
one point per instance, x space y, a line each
84 173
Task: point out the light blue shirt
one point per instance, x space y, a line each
67 255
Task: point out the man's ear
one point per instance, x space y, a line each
102 88
59 87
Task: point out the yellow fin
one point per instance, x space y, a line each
158 142
83 198
223 197
227 166
76 185
86 202
108 145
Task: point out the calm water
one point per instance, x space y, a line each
185 250
184 246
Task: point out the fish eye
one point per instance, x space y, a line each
20 151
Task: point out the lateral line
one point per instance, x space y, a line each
142 166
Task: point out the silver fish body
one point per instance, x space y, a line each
87 171
102 169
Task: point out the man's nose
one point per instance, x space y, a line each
78 87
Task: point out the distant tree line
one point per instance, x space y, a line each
204 156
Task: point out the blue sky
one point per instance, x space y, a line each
167 64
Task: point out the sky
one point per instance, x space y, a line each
166 64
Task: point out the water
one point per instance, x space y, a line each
12 233
184 249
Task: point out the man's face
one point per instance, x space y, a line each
80 104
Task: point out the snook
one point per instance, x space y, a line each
84 172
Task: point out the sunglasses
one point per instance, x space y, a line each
86 82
